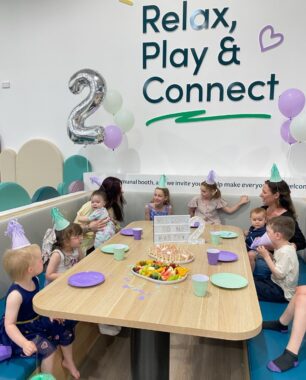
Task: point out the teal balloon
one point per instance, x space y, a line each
298 127
112 101
124 119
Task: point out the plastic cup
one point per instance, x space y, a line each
213 256
137 232
119 253
215 238
199 284
43 376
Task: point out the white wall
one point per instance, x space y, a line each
44 42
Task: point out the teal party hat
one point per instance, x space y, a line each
211 178
60 223
162 183
275 176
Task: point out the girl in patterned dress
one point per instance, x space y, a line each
21 329
209 203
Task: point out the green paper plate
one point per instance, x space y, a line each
110 248
228 280
227 234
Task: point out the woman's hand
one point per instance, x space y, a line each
244 199
97 225
29 348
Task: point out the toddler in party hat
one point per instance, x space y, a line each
66 249
22 331
208 204
160 204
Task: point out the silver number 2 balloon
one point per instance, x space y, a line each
78 132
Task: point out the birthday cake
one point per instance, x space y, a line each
171 253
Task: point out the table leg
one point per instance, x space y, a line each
150 353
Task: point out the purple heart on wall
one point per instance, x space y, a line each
272 39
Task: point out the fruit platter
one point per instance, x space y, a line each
159 272
171 253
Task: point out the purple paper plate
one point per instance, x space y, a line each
86 279
127 232
227 256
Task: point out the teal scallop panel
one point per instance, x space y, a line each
74 167
44 193
13 195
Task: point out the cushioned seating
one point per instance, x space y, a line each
18 368
268 345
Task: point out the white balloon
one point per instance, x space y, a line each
112 101
125 119
298 127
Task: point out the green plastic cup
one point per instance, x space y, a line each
199 284
215 238
43 376
119 253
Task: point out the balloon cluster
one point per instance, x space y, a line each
80 133
123 118
291 103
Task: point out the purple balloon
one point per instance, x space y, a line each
112 136
285 133
291 102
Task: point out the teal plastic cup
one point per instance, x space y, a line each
119 253
199 284
43 376
215 238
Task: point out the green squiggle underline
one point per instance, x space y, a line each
191 116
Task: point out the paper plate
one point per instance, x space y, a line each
227 234
227 256
228 280
158 281
110 248
86 279
127 232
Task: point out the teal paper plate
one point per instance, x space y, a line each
229 280
227 234
110 248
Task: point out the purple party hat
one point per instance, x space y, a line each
94 179
211 177
16 232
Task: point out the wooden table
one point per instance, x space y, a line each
127 300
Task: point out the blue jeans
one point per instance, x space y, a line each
261 269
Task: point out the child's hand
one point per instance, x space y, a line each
244 199
263 251
58 320
246 232
29 348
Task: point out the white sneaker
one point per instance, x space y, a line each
109 329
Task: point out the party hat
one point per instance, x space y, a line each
60 223
94 179
16 232
262 240
162 183
275 176
211 178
